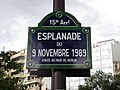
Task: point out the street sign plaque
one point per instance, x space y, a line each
59 42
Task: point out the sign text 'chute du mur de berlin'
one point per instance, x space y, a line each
59 42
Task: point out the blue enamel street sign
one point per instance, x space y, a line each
59 42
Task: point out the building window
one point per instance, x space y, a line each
116 67
28 78
32 77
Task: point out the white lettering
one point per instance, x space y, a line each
39 36
50 52
59 36
33 53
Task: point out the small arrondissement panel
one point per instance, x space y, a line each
59 42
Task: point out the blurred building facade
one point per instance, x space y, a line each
33 83
106 56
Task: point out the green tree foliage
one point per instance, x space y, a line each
116 83
7 81
98 81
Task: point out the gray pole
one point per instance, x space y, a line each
58 76
58 5
59 80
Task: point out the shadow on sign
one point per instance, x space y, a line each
68 72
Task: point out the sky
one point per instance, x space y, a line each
16 16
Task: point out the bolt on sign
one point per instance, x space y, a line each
59 42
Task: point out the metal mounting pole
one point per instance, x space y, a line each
59 80
58 5
58 76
